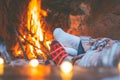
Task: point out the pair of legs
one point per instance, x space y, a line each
68 41
69 44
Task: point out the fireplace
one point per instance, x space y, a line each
31 38
27 26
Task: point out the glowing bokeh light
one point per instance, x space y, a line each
119 66
34 63
1 60
66 67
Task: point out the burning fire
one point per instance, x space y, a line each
34 24
34 41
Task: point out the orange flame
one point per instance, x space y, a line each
34 24
35 36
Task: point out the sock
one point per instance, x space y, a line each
57 52
68 40
71 51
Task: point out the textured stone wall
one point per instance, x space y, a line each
96 18
12 14
104 21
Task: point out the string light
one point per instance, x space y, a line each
34 63
1 66
66 67
1 60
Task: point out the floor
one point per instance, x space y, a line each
42 72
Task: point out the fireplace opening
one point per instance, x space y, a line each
33 41
26 36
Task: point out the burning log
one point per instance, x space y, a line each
21 45
43 47
41 43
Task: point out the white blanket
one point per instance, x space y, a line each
100 52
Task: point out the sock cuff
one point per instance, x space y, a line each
57 52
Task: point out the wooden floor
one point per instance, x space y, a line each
42 72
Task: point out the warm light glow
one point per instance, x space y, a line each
41 71
19 52
34 63
66 67
119 66
22 39
24 36
1 61
1 66
43 12
39 51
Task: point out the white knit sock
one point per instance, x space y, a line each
68 40
71 51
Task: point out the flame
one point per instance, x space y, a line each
34 24
35 32
48 44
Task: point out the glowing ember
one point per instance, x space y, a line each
66 67
34 63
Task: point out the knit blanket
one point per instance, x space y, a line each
100 52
